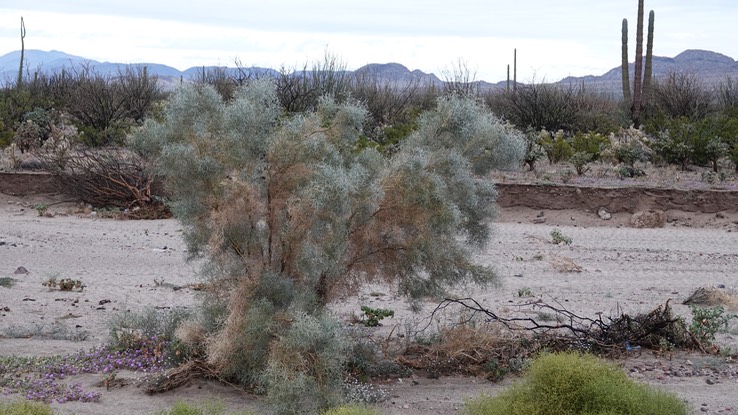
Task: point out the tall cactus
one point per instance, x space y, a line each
626 73
641 81
649 61
638 75
23 50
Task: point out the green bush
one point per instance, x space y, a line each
206 408
559 238
571 383
25 407
590 143
352 410
706 322
557 147
580 161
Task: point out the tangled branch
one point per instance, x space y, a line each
649 330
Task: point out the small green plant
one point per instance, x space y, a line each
24 407
205 408
559 238
566 175
625 171
64 284
372 316
7 282
352 410
580 160
709 177
706 322
41 208
495 371
571 383
525 292
544 316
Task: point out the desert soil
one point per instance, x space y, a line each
610 268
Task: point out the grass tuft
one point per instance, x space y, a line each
25 408
571 383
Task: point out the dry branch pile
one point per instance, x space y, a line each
500 345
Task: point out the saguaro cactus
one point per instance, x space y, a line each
641 81
638 74
626 72
23 50
649 61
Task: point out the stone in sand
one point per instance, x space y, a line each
21 270
648 219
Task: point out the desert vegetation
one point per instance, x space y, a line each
301 188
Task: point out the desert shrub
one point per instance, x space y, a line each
590 143
372 316
627 146
300 90
556 146
536 105
7 282
128 329
290 215
205 408
558 238
676 144
707 321
105 106
681 95
304 373
715 150
533 148
351 410
33 130
570 383
25 407
580 161
392 108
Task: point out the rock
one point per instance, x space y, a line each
20 270
648 219
539 220
604 214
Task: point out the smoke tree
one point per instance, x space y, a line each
290 214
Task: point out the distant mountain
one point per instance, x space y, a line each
711 67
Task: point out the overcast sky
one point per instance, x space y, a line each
554 39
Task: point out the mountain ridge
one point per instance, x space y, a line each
711 67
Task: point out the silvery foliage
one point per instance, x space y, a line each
204 145
291 214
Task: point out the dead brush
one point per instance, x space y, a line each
472 350
713 297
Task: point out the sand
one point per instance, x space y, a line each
129 265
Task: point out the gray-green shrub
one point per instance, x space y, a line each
290 215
